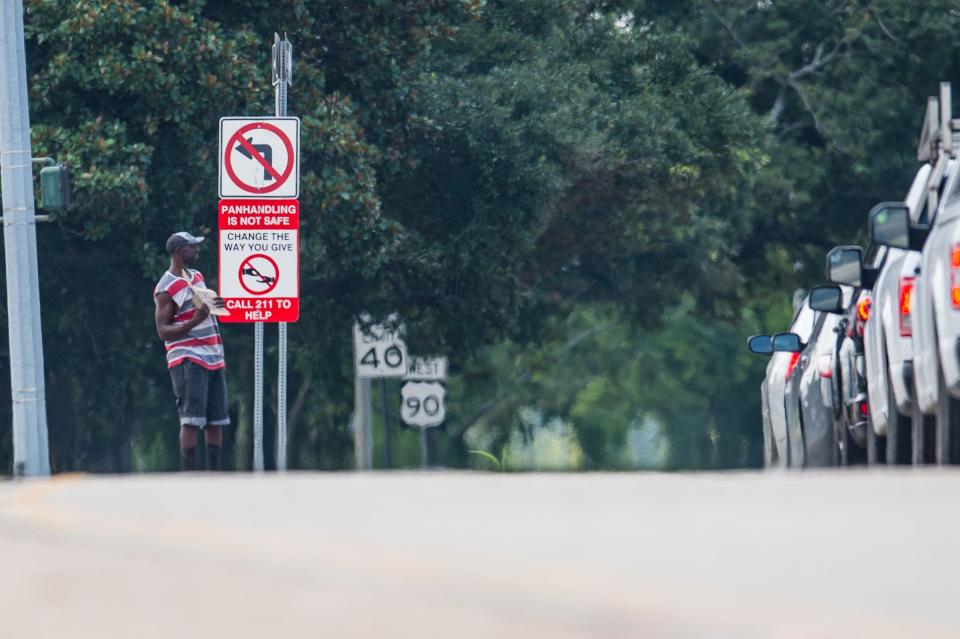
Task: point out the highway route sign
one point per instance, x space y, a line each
424 404
259 158
260 260
379 351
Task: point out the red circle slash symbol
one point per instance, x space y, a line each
251 151
259 274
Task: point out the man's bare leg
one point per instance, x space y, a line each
213 436
188 447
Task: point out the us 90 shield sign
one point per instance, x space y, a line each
259 260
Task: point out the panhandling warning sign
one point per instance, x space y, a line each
260 260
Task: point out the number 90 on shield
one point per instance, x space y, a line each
430 406
423 404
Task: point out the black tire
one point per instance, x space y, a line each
924 434
784 455
802 462
899 432
837 444
948 424
844 443
876 446
856 456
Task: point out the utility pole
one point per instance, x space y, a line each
31 455
282 79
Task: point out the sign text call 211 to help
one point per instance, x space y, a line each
259 263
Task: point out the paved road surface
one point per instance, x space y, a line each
458 555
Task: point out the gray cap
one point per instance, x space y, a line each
182 238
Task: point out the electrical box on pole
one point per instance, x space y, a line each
55 188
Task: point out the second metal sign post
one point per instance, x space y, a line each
259 264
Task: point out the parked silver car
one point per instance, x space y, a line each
780 449
825 384
855 412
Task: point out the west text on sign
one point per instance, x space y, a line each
259 259
426 369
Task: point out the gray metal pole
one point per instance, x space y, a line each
424 451
258 397
282 401
31 455
385 414
362 426
282 57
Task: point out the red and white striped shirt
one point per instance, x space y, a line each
203 344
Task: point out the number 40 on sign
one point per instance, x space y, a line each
379 351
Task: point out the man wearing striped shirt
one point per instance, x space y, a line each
194 352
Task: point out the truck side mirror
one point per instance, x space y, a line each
760 344
827 299
787 343
845 265
890 225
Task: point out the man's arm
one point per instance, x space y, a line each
166 309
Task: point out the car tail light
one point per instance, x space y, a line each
955 275
792 364
864 409
826 366
906 294
863 313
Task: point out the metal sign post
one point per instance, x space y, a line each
379 352
362 424
31 456
258 397
282 79
424 450
259 223
385 416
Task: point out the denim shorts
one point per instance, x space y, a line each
201 394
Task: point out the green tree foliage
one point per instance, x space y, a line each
583 163
843 83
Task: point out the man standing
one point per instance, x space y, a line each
194 352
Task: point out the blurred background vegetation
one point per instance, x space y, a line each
587 205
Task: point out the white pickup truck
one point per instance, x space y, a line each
888 332
934 305
888 340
